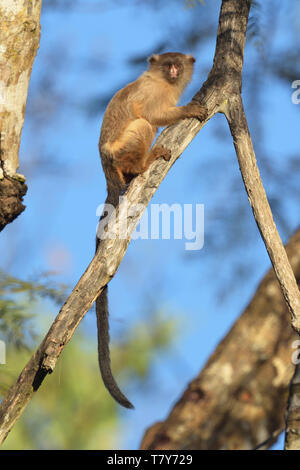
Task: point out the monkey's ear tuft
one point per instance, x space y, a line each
191 58
154 58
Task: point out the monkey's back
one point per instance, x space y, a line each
118 114
138 99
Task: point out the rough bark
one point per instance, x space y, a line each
292 434
239 398
19 41
11 197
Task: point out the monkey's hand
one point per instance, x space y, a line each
197 110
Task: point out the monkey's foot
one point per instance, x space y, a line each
163 152
198 111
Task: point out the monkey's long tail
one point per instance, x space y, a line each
103 349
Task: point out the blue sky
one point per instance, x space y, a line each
57 229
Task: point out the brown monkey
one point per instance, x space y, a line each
129 127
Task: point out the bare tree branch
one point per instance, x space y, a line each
260 206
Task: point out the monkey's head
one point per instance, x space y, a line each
173 66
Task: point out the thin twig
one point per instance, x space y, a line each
272 437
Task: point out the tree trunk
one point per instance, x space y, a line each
19 41
239 398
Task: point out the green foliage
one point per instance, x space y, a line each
72 409
17 301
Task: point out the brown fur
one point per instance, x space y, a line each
134 113
129 127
